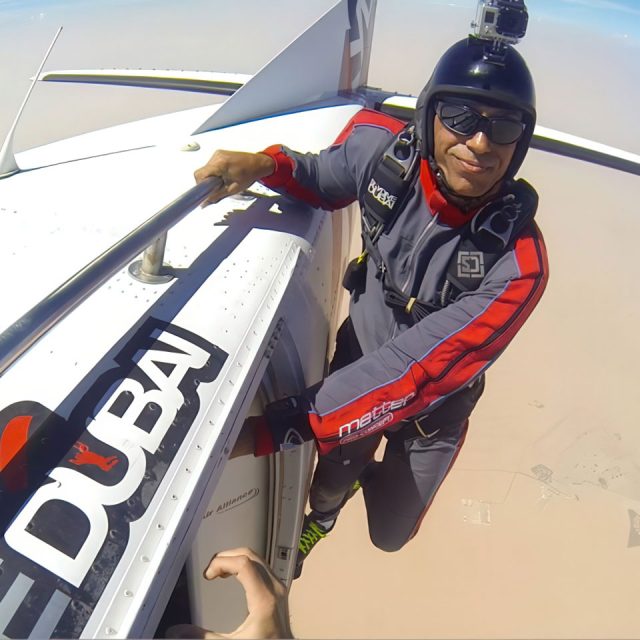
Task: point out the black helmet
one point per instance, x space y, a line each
465 71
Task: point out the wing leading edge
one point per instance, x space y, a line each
201 81
544 139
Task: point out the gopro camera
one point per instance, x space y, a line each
501 21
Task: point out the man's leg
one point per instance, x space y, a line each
347 348
399 490
334 479
334 482
336 474
337 471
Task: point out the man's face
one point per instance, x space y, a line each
472 164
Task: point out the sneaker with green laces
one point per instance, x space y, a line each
313 531
354 489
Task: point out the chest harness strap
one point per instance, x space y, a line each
487 237
386 194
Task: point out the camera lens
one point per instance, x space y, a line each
512 23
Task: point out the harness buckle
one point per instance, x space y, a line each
410 305
421 430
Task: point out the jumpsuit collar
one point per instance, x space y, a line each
448 213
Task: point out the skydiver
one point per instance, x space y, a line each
446 279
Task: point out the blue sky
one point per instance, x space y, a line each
617 17
620 18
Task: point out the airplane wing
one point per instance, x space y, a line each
121 397
121 415
544 139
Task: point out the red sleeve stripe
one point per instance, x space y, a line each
284 166
461 356
457 360
282 178
454 361
373 118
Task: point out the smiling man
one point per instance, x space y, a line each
472 164
453 264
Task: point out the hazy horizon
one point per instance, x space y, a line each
577 66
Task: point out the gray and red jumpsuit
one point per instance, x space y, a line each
388 369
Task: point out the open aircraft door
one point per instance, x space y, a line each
257 503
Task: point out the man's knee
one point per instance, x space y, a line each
388 541
391 534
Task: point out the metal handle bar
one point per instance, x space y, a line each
17 338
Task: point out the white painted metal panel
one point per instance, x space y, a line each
240 267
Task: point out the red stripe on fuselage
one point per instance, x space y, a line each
14 437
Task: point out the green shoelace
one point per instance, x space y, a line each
310 536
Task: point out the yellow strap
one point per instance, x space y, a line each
362 257
409 305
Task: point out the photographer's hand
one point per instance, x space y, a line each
267 598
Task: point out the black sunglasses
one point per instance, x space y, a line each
466 121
